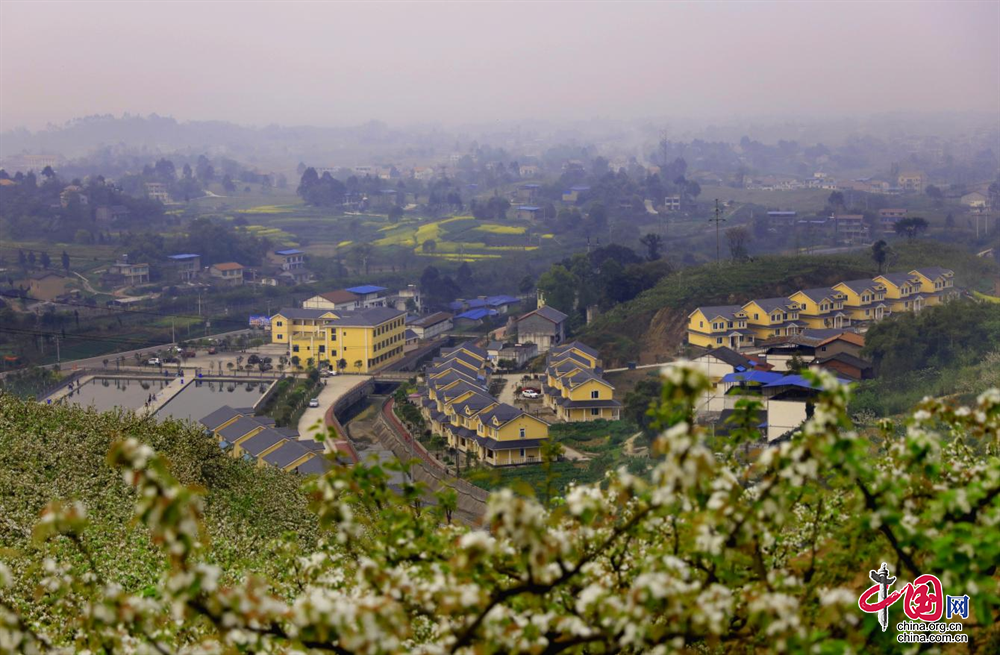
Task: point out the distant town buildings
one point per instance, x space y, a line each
227 273
126 273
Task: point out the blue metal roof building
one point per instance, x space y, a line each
182 256
290 251
365 289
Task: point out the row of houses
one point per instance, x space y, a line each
367 296
852 302
574 388
256 439
457 405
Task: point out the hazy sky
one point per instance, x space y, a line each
405 62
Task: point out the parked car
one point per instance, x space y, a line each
530 393
153 361
314 402
328 372
212 350
171 360
188 353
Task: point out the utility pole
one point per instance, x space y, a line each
173 335
58 356
199 303
717 220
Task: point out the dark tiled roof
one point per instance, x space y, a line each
859 286
300 313
339 296
503 412
898 278
432 319
238 428
261 441
219 416
819 293
729 356
313 466
727 312
468 346
771 304
287 453
582 347
368 317
847 358
546 312
934 272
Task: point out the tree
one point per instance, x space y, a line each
880 254
395 213
48 173
45 260
559 287
949 221
911 227
737 237
430 245
228 185
65 261
358 364
935 194
653 243
836 199
690 555
526 285
341 364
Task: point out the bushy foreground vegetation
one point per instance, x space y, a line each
951 349
707 555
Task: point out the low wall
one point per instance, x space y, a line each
342 444
395 437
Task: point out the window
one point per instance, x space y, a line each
281 337
595 394
594 411
322 349
295 349
718 340
522 453
522 433
279 323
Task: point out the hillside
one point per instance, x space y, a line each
651 327
59 453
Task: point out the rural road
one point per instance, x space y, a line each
336 386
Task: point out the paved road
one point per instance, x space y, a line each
336 386
97 362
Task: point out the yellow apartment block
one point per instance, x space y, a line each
358 341
772 317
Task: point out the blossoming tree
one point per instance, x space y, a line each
718 550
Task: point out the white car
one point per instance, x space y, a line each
529 393
153 361
314 402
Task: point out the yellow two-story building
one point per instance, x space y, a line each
585 396
902 292
507 436
864 299
936 284
822 307
358 341
722 325
772 317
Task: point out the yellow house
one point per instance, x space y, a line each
772 317
936 283
506 436
585 396
355 341
578 351
724 325
863 299
463 412
821 308
902 292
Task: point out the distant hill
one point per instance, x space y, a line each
164 135
651 327
59 453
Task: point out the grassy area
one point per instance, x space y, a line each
59 453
